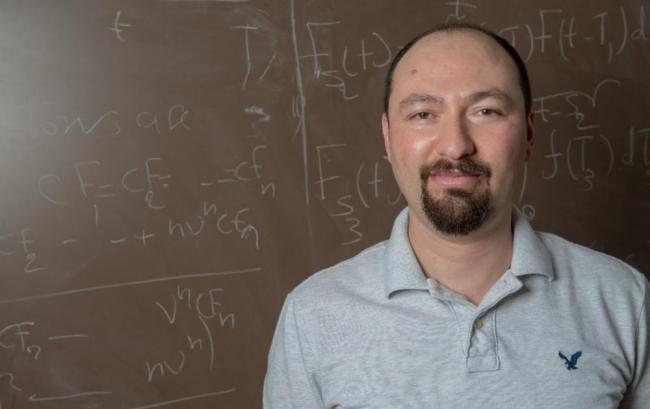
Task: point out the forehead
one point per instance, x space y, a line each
462 61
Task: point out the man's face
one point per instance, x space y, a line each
457 134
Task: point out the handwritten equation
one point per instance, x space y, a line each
565 32
30 343
628 147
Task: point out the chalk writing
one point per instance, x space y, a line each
186 398
255 110
10 381
118 26
125 284
249 55
20 333
248 171
36 398
377 183
373 53
322 155
637 137
163 368
31 265
24 338
352 223
300 102
556 27
204 306
110 123
246 30
458 7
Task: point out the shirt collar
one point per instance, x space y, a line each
403 272
529 254
401 268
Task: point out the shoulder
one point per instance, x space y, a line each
591 269
335 305
359 274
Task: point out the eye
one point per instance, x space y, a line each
421 115
488 112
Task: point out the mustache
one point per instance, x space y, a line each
465 166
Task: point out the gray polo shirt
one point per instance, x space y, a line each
564 328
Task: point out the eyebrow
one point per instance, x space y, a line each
473 98
418 99
491 93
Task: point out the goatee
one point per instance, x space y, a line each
459 212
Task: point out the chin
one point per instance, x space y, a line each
459 213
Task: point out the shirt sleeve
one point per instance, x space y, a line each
289 383
638 394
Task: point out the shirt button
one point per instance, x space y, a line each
478 324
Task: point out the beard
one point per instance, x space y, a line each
459 212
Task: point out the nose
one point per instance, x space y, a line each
454 140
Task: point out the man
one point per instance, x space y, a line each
465 306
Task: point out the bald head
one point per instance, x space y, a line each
449 30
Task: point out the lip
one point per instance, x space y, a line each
454 179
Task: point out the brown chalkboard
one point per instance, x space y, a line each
169 170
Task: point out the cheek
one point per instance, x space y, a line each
507 168
409 152
410 146
505 146
505 153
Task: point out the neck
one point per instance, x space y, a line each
468 265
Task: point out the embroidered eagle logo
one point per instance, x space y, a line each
571 363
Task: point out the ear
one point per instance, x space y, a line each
530 135
385 130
